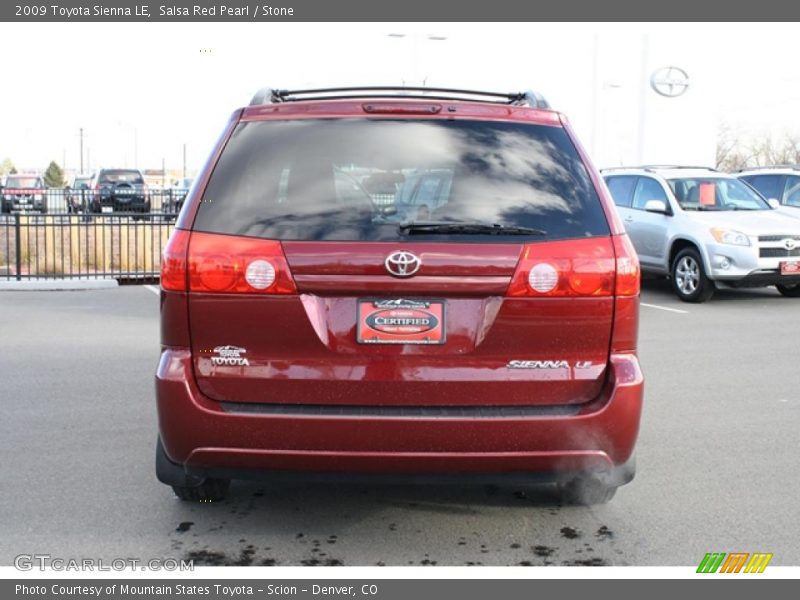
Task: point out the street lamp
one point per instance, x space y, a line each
415 38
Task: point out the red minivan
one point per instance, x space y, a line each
474 317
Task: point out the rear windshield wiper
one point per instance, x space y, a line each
466 228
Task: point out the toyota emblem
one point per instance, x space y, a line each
402 263
789 244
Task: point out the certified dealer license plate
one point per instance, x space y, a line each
400 321
790 268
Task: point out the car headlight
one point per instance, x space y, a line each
730 236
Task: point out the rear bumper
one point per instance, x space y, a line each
134 204
206 438
19 203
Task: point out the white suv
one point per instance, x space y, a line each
780 182
705 229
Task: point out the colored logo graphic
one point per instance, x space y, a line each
734 562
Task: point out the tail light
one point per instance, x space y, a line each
565 268
575 268
628 272
223 264
624 335
173 262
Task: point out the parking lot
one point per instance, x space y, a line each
717 455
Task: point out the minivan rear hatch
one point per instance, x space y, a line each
400 262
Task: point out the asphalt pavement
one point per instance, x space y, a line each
717 455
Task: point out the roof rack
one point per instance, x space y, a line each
701 167
272 96
763 167
652 168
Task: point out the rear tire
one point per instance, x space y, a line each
586 491
790 291
190 488
211 490
689 280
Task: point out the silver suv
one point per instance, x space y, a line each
705 229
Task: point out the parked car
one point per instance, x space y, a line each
78 194
307 333
119 190
705 229
24 193
781 183
174 196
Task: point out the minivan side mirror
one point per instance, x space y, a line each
774 203
656 206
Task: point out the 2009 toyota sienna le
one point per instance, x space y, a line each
311 329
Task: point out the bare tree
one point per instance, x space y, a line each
734 154
793 148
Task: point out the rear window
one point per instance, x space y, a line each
23 182
120 176
347 179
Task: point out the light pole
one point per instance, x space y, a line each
641 146
80 134
415 38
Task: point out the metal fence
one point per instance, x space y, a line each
70 240
110 198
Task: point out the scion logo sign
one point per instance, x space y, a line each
229 356
400 321
734 562
669 82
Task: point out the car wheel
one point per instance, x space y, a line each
586 490
211 490
188 487
689 280
790 291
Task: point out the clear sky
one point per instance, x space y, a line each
142 91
